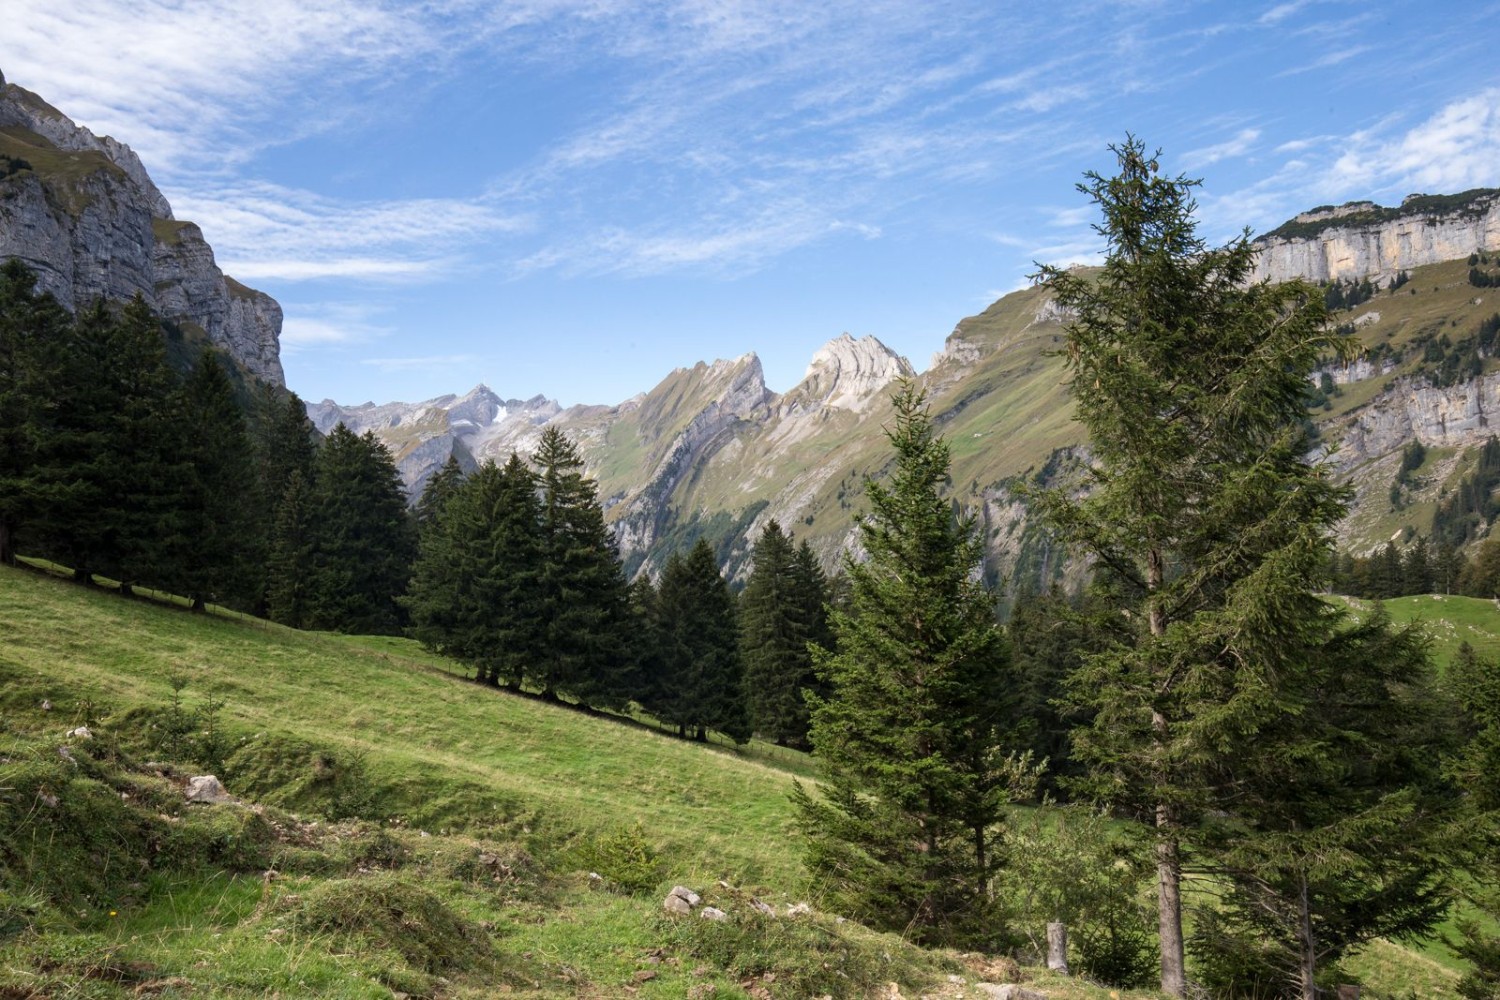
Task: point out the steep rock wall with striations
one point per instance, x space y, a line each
82 212
1364 240
1412 409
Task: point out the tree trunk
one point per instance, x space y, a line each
1168 857
1169 907
7 554
1308 945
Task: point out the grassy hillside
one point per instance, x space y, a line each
466 872
412 834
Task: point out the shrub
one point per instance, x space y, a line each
624 858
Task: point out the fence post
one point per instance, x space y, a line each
1057 948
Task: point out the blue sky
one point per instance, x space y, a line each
573 197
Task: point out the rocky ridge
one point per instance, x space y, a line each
1364 240
84 214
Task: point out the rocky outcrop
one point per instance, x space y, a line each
1364 240
81 211
1413 410
847 374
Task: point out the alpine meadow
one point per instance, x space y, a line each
1146 645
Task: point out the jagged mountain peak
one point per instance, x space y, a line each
849 374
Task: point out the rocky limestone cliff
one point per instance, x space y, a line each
1413 410
86 217
1363 240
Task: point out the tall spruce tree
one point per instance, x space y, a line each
112 440
701 685
1475 767
218 526
780 611
581 589
912 732
1338 827
32 327
365 537
1191 382
473 590
285 444
291 553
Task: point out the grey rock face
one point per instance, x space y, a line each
1354 250
90 222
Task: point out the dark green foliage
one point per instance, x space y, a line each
284 446
217 527
1192 384
364 537
1347 295
581 596
624 858
782 612
435 495
701 684
912 733
113 440
1475 768
31 330
290 554
1339 829
1049 636
473 594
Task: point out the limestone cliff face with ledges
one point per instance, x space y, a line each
84 215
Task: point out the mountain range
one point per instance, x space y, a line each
712 452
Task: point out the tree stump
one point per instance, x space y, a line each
1057 948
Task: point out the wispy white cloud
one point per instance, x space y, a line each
331 324
1242 142
184 84
266 231
1326 61
1280 13
1457 148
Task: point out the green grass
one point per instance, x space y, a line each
462 877
481 814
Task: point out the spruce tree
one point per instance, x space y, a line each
777 623
112 443
365 537
1474 766
439 489
1201 514
701 686
1338 826
291 553
581 586
912 733
285 444
473 589
218 526
32 327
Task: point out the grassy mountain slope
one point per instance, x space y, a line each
467 873
996 393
